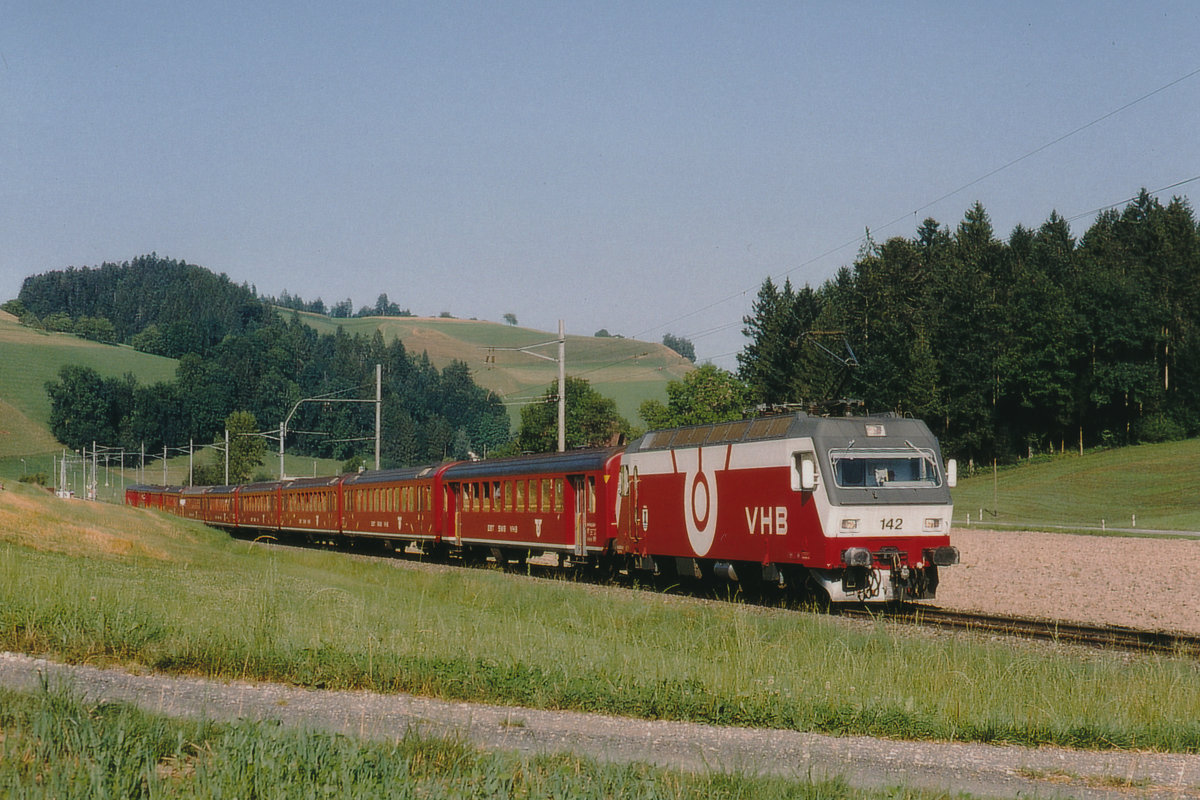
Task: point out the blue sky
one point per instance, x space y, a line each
640 167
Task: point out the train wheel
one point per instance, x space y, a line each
608 565
473 556
435 551
750 580
802 588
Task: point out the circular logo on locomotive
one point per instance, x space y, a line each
699 498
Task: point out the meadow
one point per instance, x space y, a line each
627 370
29 358
1145 487
101 584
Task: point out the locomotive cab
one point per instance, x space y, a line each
883 494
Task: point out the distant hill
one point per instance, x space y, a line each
627 370
29 358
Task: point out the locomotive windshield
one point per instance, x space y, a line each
885 468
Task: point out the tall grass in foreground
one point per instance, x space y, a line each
54 746
319 619
179 597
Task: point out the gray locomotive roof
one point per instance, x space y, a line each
789 426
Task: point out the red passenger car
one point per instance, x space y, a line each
560 502
220 506
393 504
143 496
191 502
258 505
172 497
311 505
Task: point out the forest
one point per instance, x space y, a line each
1007 348
237 354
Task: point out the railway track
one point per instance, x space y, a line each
1106 636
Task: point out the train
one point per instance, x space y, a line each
851 509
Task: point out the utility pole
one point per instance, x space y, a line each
528 350
227 456
378 408
562 388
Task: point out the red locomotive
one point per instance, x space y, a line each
857 507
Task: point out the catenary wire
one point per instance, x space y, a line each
962 188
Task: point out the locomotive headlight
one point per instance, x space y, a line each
933 524
849 524
944 556
856 557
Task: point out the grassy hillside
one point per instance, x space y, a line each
1157 483
29 358
627 370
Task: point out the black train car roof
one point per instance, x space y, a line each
557 463
389 475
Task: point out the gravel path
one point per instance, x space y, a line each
982 770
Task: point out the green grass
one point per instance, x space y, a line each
627 370
88 583
1156 483
53 745
29 358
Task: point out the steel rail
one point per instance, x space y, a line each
1107 636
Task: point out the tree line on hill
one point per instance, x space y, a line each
158 305
237 354
427 414
341 310
1038 343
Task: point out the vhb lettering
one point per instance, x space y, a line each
766 520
